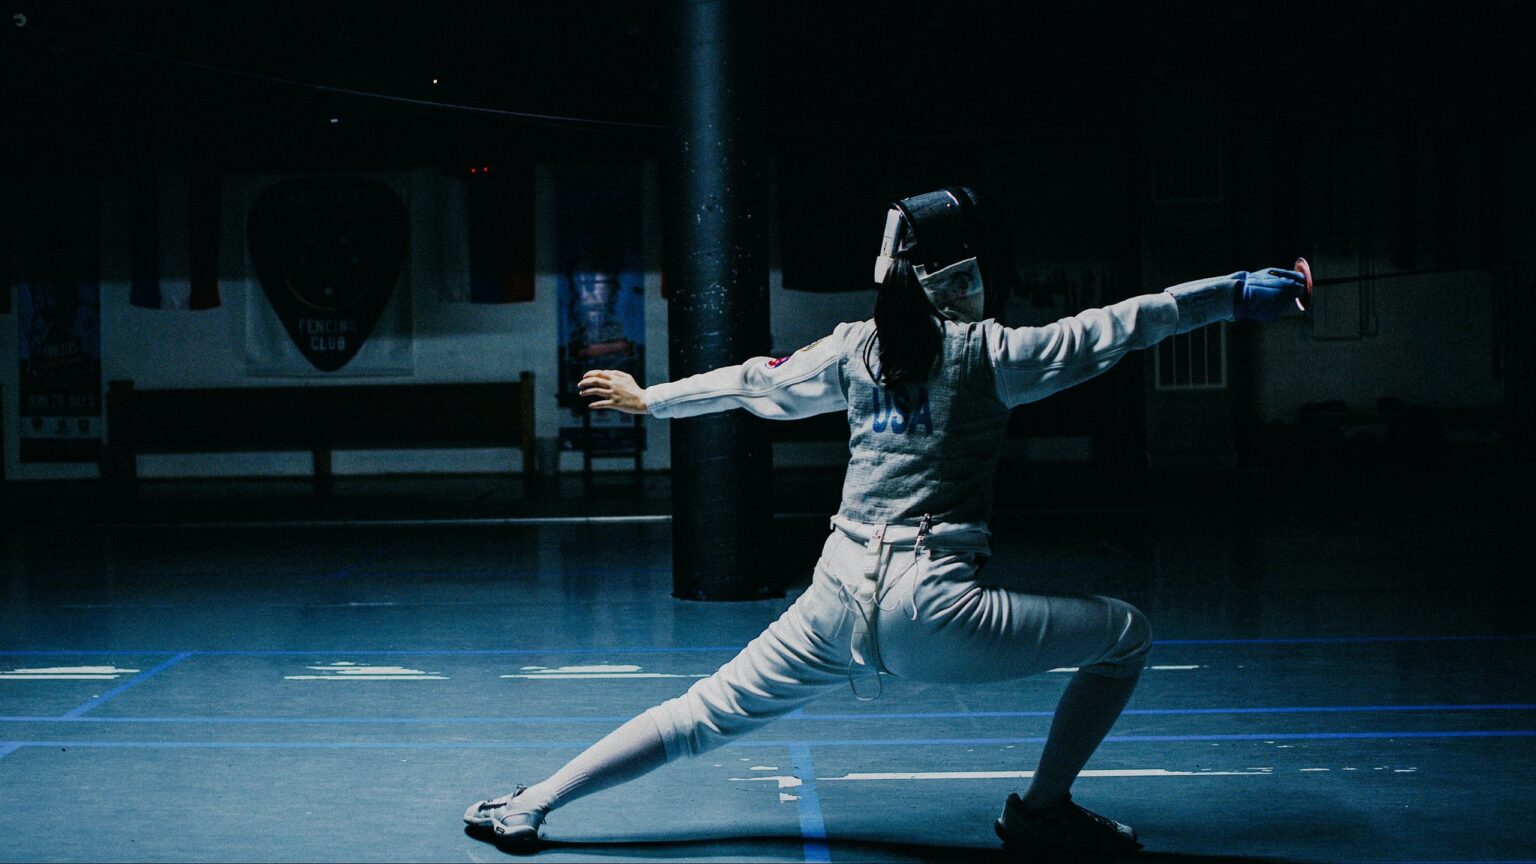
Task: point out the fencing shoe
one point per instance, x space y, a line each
509 825
1062 827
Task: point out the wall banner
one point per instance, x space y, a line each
601 286
58 309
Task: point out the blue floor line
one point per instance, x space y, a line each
324 745
758 744
509 573
1346 640
9 747
126 685
390 652
1284 709
482 652
54 652
813 828
354 568
1143 739
323 721
705 649
794 716
1331 736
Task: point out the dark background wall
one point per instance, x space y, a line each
1132 145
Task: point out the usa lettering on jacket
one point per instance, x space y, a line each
896 412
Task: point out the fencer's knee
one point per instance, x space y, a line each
1128 654
678 729
697 722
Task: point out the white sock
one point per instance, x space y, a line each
622 755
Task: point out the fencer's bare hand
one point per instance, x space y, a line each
613 389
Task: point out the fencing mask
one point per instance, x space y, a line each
937 232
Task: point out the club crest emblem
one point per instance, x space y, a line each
328 252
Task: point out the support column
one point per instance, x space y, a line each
717 279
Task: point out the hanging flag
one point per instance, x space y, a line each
174 239
203 236
144 239
485 231
825 240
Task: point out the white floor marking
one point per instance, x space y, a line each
785 797
556 676
785 781
591 672
789 781
1025 775
66 673
764 768
1157 668
362 672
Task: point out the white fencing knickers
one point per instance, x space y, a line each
907 601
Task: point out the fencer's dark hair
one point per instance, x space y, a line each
906 328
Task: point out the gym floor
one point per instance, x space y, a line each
238 673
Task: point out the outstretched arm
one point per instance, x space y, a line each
786 388
1034 362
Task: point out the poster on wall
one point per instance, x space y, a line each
328 286
601 287
58 306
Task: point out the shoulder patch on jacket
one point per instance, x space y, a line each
774 364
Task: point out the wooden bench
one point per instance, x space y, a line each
320 419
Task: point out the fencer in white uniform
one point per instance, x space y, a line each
896 590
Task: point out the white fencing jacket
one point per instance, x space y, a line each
931 447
